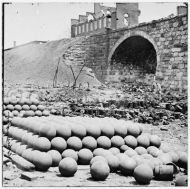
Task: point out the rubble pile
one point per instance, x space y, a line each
138 101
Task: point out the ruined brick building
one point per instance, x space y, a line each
125 14
117 47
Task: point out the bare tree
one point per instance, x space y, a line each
55 76
76 77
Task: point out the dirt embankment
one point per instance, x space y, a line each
36 63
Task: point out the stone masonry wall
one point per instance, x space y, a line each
169 38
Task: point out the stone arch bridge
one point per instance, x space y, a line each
155 50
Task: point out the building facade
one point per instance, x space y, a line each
103 17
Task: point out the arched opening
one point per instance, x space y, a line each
134 58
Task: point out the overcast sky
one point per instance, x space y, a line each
25 22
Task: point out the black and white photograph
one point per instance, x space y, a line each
94 94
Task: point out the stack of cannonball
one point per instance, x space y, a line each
106 144
13 107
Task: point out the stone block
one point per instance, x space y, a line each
181 66
175 54
174 66
179 74
176 49
178 58
28 176
162 39
184 18
181 54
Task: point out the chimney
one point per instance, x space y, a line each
181 10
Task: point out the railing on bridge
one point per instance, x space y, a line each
92 26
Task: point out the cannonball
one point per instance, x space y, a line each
47 131
174 155
97 158
56 157
41 107
139 159
141 128
130 152
150 162
107 130
68 167
117 141
124 147
35 102
6 101
25 107
18 107
127 166
43 144
114 150
181 180
104 142
85 156
63 131
29 113
59 144
165 148
42 160
89 142
120 130
147 156
156 161
165 158
155 141
28 154
133 129
10 107
93 131
46 113
154 151
8 113
74 143
143 140
143 174
28 101
33 141
70 153
15 113
38 113
14 146
141 150
121 156
98 152
21 102
78 130
131 141
113 162
20 149
99 170
183 160
33 107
